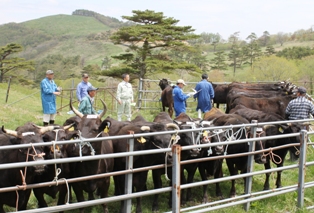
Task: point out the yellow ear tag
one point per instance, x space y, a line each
71 129
205 133
280 130
141 140
106 130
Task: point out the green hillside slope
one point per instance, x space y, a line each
65 25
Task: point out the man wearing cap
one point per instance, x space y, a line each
205 93
81 89
124 97
86 105
179 97
49 90
301 107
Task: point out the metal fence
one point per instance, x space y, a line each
245 199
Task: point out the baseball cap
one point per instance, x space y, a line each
49 72
301 90
91 88
181 81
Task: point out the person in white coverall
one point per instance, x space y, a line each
124 97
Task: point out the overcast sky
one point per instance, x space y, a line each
213 16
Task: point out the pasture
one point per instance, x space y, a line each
29 109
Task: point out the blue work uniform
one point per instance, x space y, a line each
48 99
178 100
204 96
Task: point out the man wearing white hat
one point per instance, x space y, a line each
49 90
179 97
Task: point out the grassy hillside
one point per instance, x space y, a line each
66 25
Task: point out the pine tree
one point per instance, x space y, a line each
9 63
152 31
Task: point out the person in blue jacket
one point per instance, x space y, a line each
204 94
179 97
49 90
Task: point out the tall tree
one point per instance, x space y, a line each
219 61
282 38
235 52
265 38
270 50
152 31
10 63
253 49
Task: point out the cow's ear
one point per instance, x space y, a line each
104 126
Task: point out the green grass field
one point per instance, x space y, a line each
24 105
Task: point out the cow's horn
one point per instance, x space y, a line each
78 113
45 129
68 126
105 109
268 126
145 128
9 132
172 125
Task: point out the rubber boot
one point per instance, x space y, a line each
51 122
199 114
45 124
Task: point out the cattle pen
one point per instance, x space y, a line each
302 182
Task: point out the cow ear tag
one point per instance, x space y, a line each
106 130
71 129
280 129
141 140
205 133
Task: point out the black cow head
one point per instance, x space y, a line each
30 134
163 83
213 136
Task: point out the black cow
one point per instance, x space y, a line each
183 139
166 96
90 126
238 163
51 170
26 134
145 143
221 91
278 156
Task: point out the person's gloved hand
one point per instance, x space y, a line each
190 94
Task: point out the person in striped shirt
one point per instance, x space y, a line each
301 107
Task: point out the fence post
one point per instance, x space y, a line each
176 188
140 91
302 167
8 90
250 164
128 177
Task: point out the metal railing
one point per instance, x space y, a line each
245 199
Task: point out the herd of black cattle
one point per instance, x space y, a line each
245 102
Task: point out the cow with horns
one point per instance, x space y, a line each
156 141
53 171
90 126
27 134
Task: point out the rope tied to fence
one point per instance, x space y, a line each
83 143
173 140
272 156
234 136
23 186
